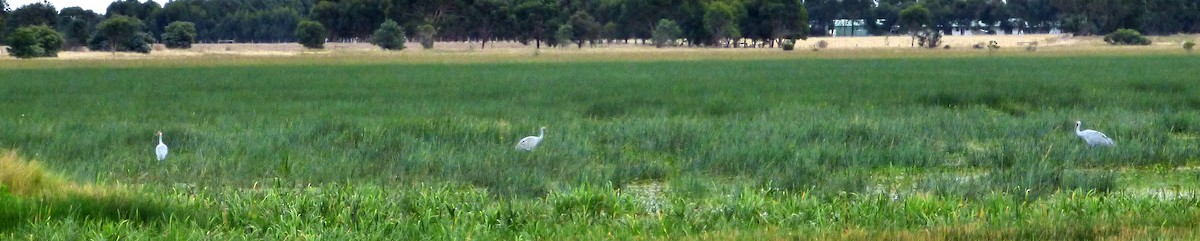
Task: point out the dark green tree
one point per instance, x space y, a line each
721 20
3 20
351 19
781 19
328 14
913 20
637 17
77 25
583 28
534 17
487 18
147 12
665 33
942 14
562 37
40 13
821 13
179 35
35 41
310 34
690 18
1033 15
77 33
389 36
426 34
121 33
1077 24
888 12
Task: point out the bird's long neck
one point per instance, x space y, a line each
1077 131
542 132
160 139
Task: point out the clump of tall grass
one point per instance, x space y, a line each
30 194
597 201
28 179
1181 122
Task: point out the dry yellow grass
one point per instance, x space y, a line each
29 179
469 52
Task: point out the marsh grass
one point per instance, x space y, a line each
783 147
797 123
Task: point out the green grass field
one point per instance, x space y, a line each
780 148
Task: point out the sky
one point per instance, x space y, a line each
95 5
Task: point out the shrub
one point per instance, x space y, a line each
34 41
1187 46
788 45
929 39
311 34
179 35
822 44
389 36
426 32
665 33
1126 36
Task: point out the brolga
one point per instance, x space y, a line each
1093 137
529 142
160 151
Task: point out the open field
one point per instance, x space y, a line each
703 145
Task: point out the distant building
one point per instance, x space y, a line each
848 27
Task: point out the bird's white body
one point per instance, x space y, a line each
529 142
1092 137
160 151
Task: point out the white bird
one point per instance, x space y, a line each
160 151
529 142
1092 137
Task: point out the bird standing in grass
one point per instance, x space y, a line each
529 142
1093 137
160 151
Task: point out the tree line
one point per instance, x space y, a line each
581 22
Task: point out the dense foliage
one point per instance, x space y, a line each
426 34
665 33
389 36
121 34
35 41
1126 37
535 21
179 35
78 25
311 34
